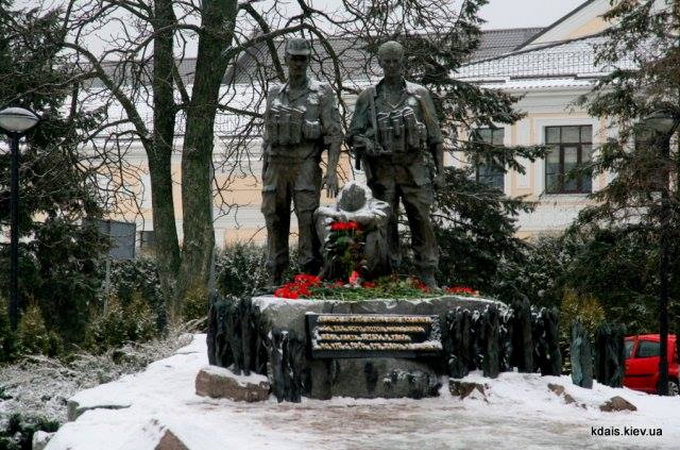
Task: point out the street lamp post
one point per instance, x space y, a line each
15 122
663 125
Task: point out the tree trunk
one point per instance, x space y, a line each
160 154
199 237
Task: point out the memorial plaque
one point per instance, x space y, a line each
373 335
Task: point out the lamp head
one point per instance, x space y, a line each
17 120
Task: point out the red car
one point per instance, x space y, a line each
642 363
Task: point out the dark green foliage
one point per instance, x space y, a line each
34 337
67 276
196 305
132 309
475 230
18 434
138 281
58 262
621 259
619 266
595 273
8 338
536 274
131 277
121 323
241 268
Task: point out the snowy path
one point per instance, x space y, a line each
518 411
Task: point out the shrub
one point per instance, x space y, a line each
195 306
138 277
119 324
8 338
241 268
34 337
18 434
585 308
64 278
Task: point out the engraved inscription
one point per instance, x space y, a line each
373 335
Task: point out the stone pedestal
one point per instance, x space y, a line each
290 314
387 377
374 377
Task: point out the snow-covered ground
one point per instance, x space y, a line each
516 411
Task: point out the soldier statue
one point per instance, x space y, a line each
393 129
301 120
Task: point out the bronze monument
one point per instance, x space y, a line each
301 121
393 129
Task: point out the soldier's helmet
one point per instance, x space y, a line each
298 46
352 197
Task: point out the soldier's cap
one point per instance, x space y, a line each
298 46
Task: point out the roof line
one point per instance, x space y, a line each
533 49
511 29
554 24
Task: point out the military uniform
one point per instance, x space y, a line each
397 136
299 125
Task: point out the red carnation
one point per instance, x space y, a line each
345 226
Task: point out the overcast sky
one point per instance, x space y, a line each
525 13
497 13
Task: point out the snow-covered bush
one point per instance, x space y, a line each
34 337
120 323
18 431
195 305
38 386
241 268
138 277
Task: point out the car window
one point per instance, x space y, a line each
629 349
648 349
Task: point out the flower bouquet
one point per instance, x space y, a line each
343 250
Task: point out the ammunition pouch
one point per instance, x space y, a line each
400 131
288 126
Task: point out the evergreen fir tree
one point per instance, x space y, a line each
59 251
641 202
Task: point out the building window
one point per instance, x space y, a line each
571 147
487 173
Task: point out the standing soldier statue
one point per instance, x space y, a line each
301 120
393 126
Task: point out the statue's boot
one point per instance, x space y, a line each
274 281
427 277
